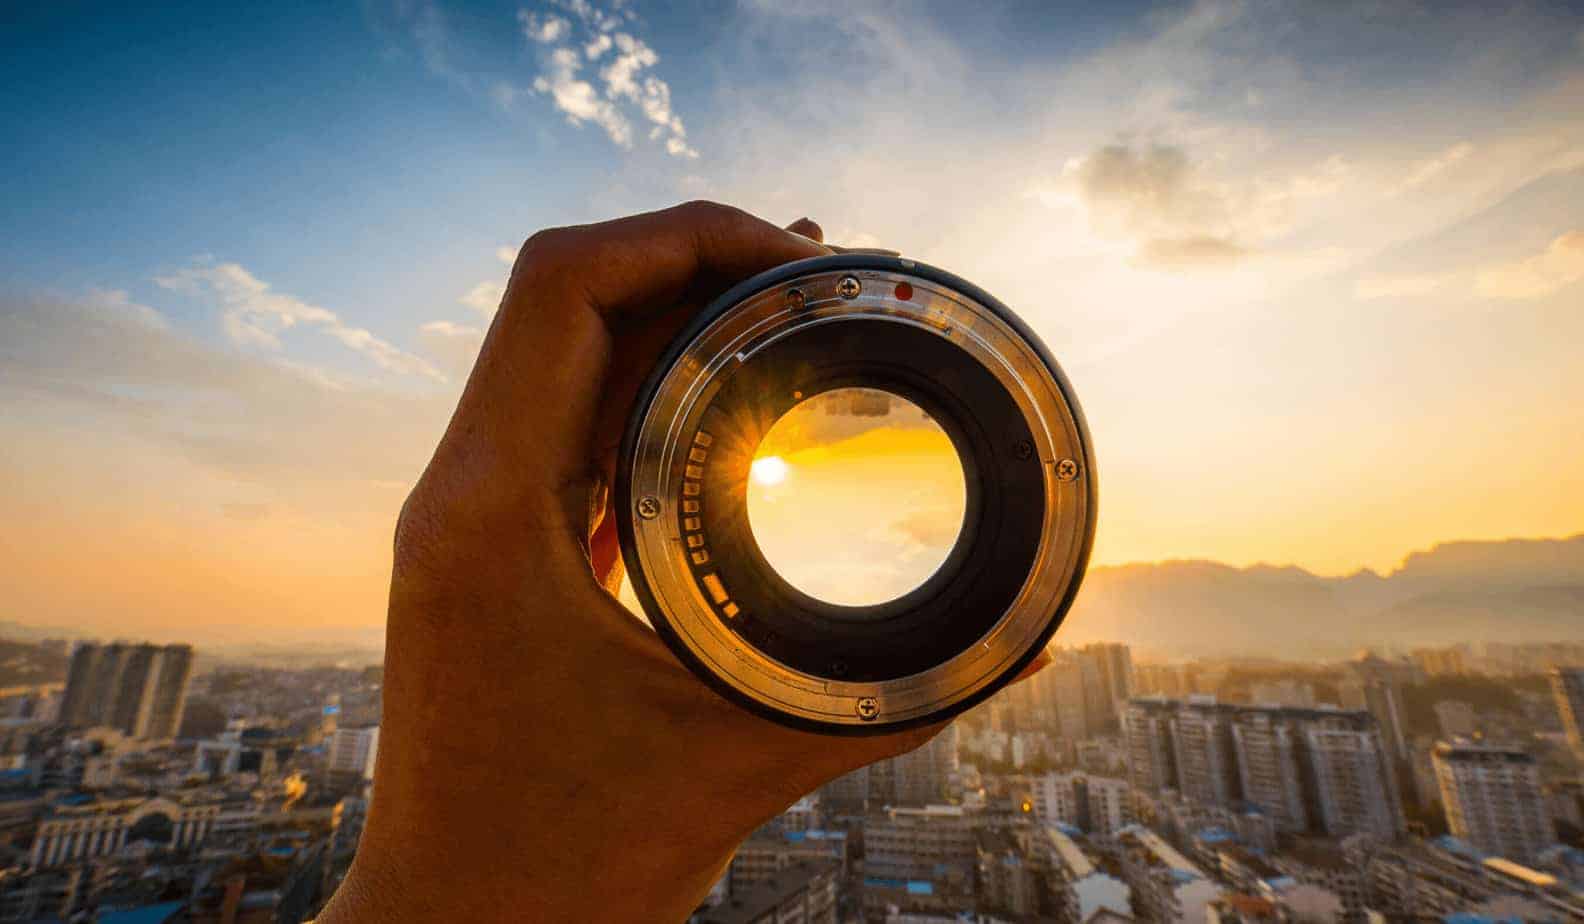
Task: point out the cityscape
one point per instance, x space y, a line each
139 783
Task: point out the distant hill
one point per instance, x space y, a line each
1514 590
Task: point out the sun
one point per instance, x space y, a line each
770 470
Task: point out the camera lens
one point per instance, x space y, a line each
858 494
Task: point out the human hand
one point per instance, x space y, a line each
543 756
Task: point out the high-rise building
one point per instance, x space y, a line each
923 776
353 751
1354 785
1202 750
1323 770
139 690
1108 682
1146 728
1567 685
1493 799
1268 766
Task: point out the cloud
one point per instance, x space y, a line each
1561 264
484 298
544 29
1189 252
454 346
507 255
256 316
628 79
1430 168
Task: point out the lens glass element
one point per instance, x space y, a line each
856 496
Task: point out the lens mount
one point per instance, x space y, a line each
800 331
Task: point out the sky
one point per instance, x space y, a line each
1314 269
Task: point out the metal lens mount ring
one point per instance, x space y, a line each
873 321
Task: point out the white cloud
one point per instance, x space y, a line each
1560 264
627 78
454 346
507 255
253 315
578 99
1427 170
543 29
484 298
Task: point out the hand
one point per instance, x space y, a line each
543 756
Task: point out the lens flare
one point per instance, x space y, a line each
770 470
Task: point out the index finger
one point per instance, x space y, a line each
535 392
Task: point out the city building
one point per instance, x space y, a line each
353 750
1096 805
1083 883
80 828
1165 886
1006 881
1493 799
1267 752
139 690
1324 770
1456 719
1354 786
934 844
1567 688
924 775
1292 693
765 854
1109 684
801 894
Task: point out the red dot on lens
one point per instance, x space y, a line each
904 291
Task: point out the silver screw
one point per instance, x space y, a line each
868 708
648 506
848 287
1066 470
796 300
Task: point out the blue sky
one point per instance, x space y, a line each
247 252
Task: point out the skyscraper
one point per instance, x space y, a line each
1493 799
1268 767
1108 682
1567 685
139 690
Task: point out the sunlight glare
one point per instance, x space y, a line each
770 470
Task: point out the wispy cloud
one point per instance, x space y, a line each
629 89
254 315
1560 264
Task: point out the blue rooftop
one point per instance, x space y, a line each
148 914
1216 835
919 887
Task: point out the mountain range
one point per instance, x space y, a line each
1517 590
